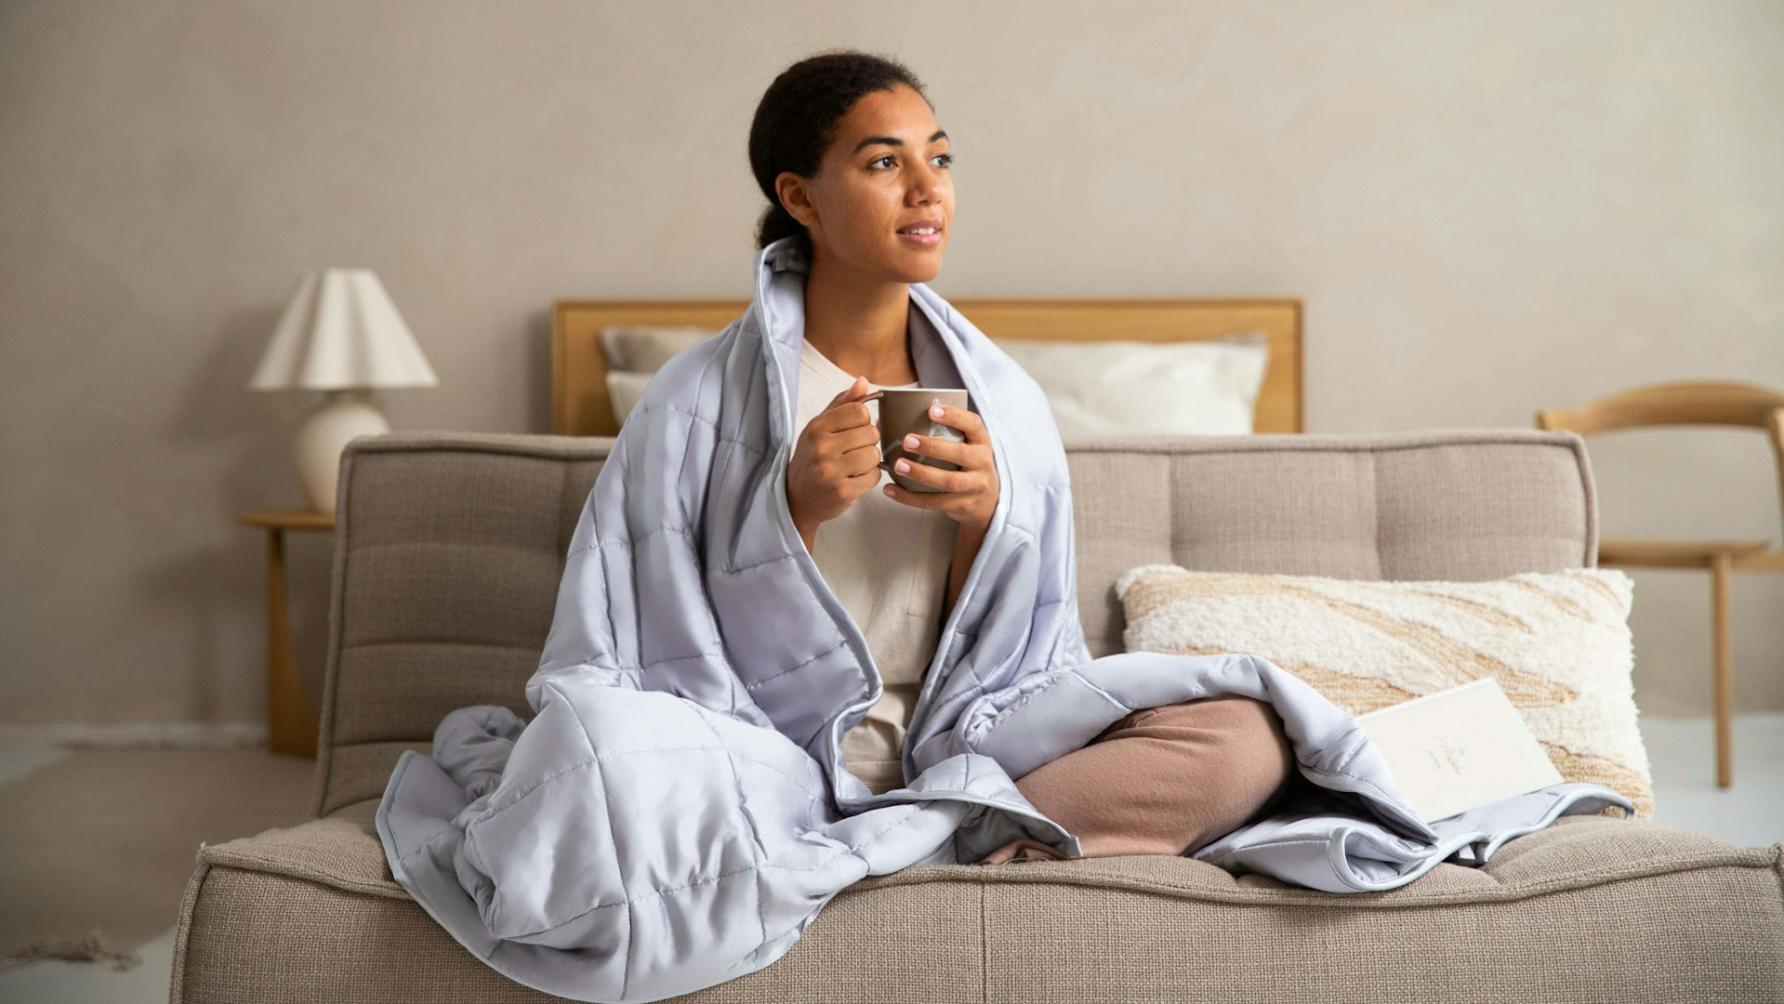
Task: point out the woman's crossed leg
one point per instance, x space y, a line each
1164 780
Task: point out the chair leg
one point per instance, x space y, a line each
1722 680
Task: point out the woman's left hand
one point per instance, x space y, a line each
968 495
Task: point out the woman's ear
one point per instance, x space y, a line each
795 197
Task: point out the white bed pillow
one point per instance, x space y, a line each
624 389
1129 388
1096 389
644 348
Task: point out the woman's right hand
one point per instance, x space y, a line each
835 461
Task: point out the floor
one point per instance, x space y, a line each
1684 788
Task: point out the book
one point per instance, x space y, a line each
1458 749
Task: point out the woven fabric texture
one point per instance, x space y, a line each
1584 909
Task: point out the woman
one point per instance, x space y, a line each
846 148
680 805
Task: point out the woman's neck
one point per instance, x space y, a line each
858 322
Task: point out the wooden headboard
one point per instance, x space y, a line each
580 405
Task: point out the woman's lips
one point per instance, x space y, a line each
922 240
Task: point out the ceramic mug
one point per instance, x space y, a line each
905 410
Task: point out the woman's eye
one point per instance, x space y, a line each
947 159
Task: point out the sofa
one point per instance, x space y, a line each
448 551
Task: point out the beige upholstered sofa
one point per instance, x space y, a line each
446 567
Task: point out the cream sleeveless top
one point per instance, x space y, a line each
888 564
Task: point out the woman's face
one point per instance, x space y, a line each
885 171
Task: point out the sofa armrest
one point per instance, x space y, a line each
448 551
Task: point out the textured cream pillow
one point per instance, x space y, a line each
1557 642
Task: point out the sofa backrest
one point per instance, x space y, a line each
1456 504
449 547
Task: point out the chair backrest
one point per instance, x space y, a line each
1697 402
449 547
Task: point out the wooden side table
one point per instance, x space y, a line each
291 721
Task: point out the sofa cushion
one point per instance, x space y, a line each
1599 906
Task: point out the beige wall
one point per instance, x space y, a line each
1488 208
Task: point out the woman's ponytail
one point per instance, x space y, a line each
776 223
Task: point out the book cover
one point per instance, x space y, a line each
1458 749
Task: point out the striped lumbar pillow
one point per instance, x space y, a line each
1557 642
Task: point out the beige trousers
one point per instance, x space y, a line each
1164 780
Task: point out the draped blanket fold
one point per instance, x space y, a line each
677 811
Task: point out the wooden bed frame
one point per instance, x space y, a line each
580 405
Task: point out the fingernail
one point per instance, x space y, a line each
903 466
935 407
910 442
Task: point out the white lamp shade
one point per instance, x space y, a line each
340 331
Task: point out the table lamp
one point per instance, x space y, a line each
340 334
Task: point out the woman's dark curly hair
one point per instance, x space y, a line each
796 120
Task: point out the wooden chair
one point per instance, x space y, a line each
1691 403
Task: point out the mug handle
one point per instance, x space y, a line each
885 461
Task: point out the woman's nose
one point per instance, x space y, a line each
926 185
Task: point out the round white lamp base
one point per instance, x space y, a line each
320 440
